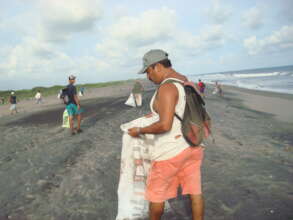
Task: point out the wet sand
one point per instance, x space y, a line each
47 174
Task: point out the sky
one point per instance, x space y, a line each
42 42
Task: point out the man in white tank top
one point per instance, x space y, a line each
174 163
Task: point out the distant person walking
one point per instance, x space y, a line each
38 97
81 91
218 89
201 87
137 93
2 99
73 105
174 162
59 95
12 101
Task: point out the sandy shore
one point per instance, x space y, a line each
47 175
277 104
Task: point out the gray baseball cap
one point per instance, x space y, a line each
152 57
71 77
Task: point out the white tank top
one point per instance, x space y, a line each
171 143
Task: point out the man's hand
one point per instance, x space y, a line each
149 115
78 107
134 132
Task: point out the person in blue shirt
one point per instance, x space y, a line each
73 106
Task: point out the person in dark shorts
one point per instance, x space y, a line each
12 101
73 106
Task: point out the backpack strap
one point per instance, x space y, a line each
171 80
185 84
174 80
177 116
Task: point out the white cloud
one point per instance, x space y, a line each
209 38
19 25
60 19
252 45
285 12
129 38
124 41
218 13
276 42
34 56
253 18
214 35
152 25
33 59
120 43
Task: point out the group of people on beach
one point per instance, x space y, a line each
13 100
182 165
202 87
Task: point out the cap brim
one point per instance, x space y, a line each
143 70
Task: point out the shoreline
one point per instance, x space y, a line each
260 92
277 104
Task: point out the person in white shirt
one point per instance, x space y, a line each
38 97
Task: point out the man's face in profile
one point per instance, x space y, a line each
152 74
72 81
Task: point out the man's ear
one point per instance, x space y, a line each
158 67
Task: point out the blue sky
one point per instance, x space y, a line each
43 41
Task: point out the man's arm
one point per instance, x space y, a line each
166 99
76 98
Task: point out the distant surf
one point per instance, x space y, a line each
276 79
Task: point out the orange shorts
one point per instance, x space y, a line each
165 176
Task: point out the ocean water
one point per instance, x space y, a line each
276 79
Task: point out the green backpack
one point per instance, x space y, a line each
196 122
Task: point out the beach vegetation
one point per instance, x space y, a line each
27 94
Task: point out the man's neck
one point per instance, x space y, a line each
169 73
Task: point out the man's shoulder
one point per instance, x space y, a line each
71 87
168 89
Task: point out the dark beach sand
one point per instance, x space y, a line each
45 174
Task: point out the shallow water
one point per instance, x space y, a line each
276 79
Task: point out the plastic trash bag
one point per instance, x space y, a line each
65 123
130 101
